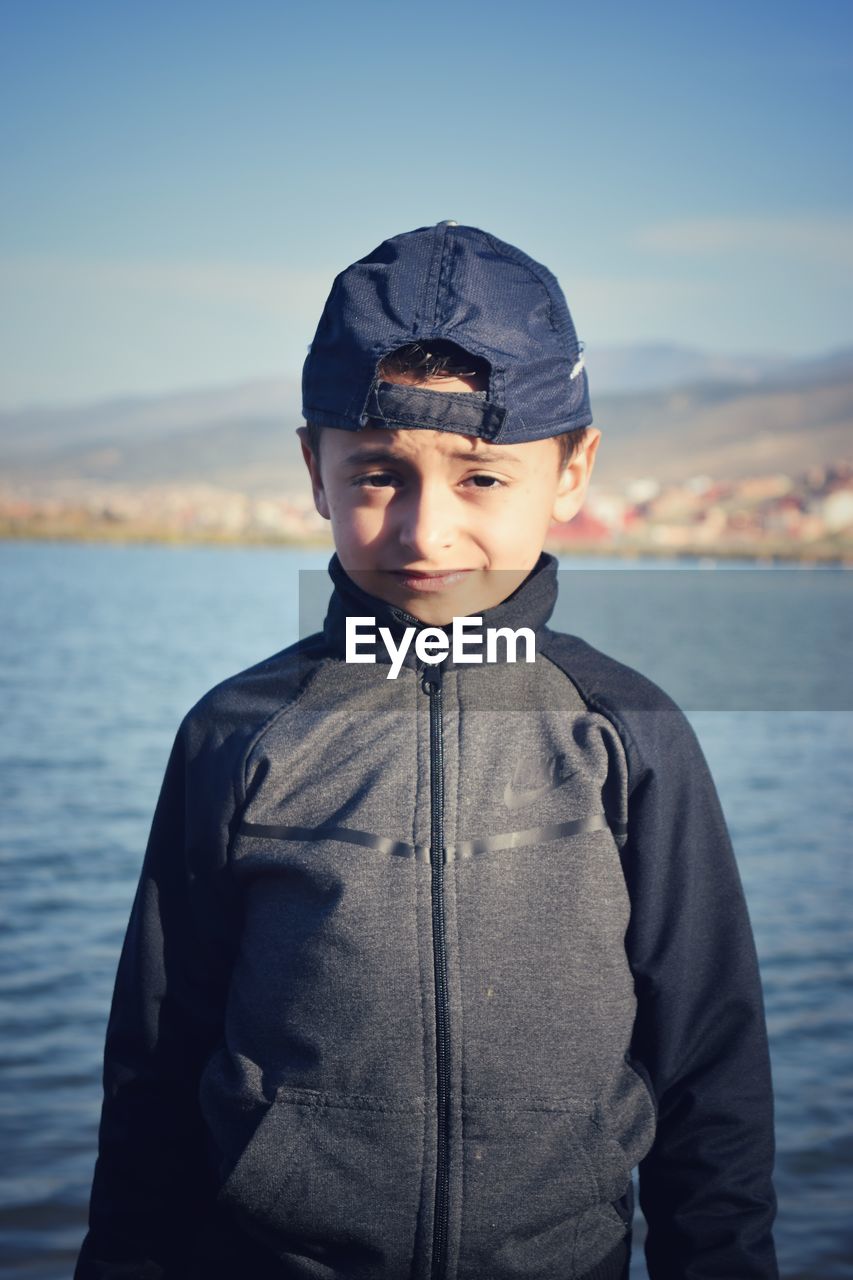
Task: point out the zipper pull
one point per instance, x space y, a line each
431 678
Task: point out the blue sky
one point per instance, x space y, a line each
183 180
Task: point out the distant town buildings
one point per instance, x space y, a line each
771 514
807 516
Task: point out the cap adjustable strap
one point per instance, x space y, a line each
392 404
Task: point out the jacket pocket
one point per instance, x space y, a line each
332 1179
538 1191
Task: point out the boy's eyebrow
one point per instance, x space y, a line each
364 457
369 457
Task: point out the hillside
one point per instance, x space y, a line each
780 417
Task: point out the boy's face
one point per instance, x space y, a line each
441 524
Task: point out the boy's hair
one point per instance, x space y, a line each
418 362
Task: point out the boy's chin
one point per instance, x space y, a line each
437 600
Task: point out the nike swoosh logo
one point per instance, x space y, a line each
520 797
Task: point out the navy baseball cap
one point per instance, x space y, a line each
461 285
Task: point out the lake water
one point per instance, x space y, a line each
104 648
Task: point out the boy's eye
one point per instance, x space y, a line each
375 480
486 482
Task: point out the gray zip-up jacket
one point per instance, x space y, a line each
420 969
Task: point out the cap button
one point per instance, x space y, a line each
449 223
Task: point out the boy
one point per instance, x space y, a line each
429 952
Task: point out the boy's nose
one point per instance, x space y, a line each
427 522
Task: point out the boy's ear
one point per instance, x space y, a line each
313 465
574 478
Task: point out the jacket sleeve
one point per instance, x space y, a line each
152 1180
705 1186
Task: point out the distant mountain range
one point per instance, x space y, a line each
668 412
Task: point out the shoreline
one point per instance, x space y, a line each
770 553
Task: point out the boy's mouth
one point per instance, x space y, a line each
432 580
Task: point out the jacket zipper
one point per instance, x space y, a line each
431 685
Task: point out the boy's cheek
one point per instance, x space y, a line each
355 533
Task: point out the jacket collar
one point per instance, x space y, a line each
530 605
